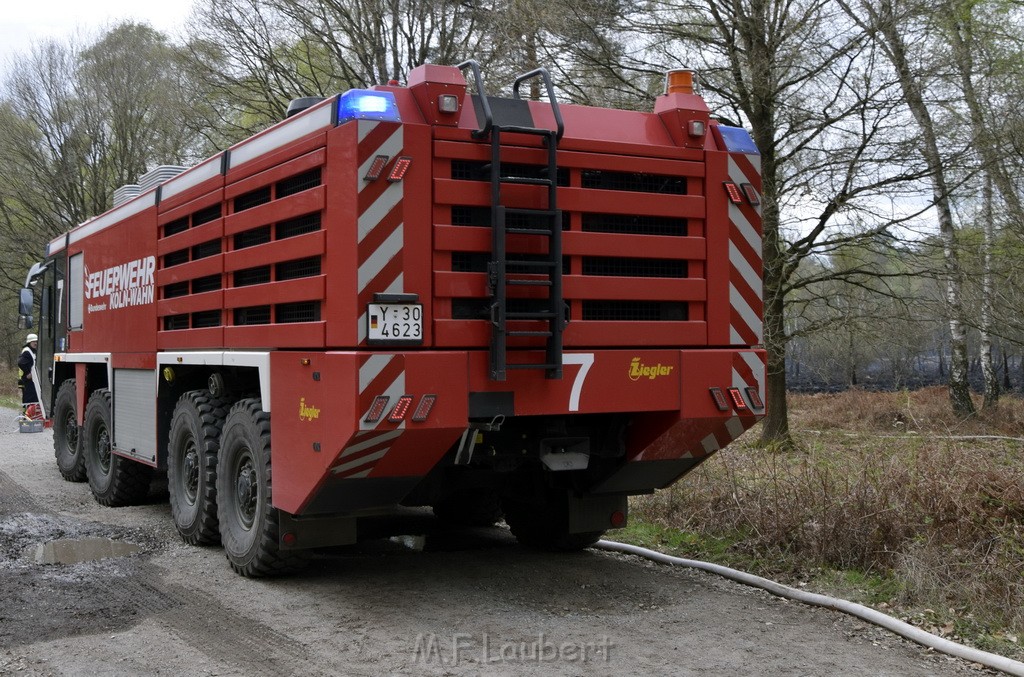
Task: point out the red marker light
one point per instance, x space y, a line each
733 192
752 197
737 399
618 519
424 407
401 409
755 397
398 171
719 397
377 408
373 173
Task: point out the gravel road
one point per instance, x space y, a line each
416 599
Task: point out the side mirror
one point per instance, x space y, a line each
24 321
25 302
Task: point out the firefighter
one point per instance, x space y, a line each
25 362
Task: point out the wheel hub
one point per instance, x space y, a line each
103 447
71 431
247 492
190 474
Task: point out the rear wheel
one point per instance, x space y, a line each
249 524
470 508
193 444
114 480
67 443
544 523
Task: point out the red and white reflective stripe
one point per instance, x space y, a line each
366 449
380 374
745 290
748 371
380 227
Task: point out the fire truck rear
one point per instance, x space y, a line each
413 296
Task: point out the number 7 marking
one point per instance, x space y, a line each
586 361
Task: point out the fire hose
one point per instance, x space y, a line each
860 611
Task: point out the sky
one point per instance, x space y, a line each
23 22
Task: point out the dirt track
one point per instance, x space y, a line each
469 602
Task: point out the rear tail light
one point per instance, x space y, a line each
401 409
423 408
719 398
755 398
752 198
733 191
373 173
377 408
398 171
737 399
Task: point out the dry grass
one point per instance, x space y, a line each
887 485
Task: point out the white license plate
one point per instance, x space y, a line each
401 322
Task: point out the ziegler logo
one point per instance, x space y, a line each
128 284
639 370
307 413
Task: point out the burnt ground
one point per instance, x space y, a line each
419 599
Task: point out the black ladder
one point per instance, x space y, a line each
505 269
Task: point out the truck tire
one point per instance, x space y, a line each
249 524
193 443
114 480
543 525
67 442
479 508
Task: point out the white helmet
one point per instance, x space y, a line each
30 338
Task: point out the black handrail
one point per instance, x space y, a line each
546 77
478 79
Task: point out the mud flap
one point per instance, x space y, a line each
594 513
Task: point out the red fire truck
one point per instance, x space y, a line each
414 296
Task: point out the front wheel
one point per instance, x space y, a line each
67 443
249 524
113 480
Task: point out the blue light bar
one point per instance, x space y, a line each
362 104
737 140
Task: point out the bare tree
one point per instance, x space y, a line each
886 23
820 107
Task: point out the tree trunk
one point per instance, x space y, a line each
886 24
988 370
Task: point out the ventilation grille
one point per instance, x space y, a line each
626 267
251 238
476 262
635 311
470 170
251 276
637 183
283 313
291 270
298 183
634 225
252 199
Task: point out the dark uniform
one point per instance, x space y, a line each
25 362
